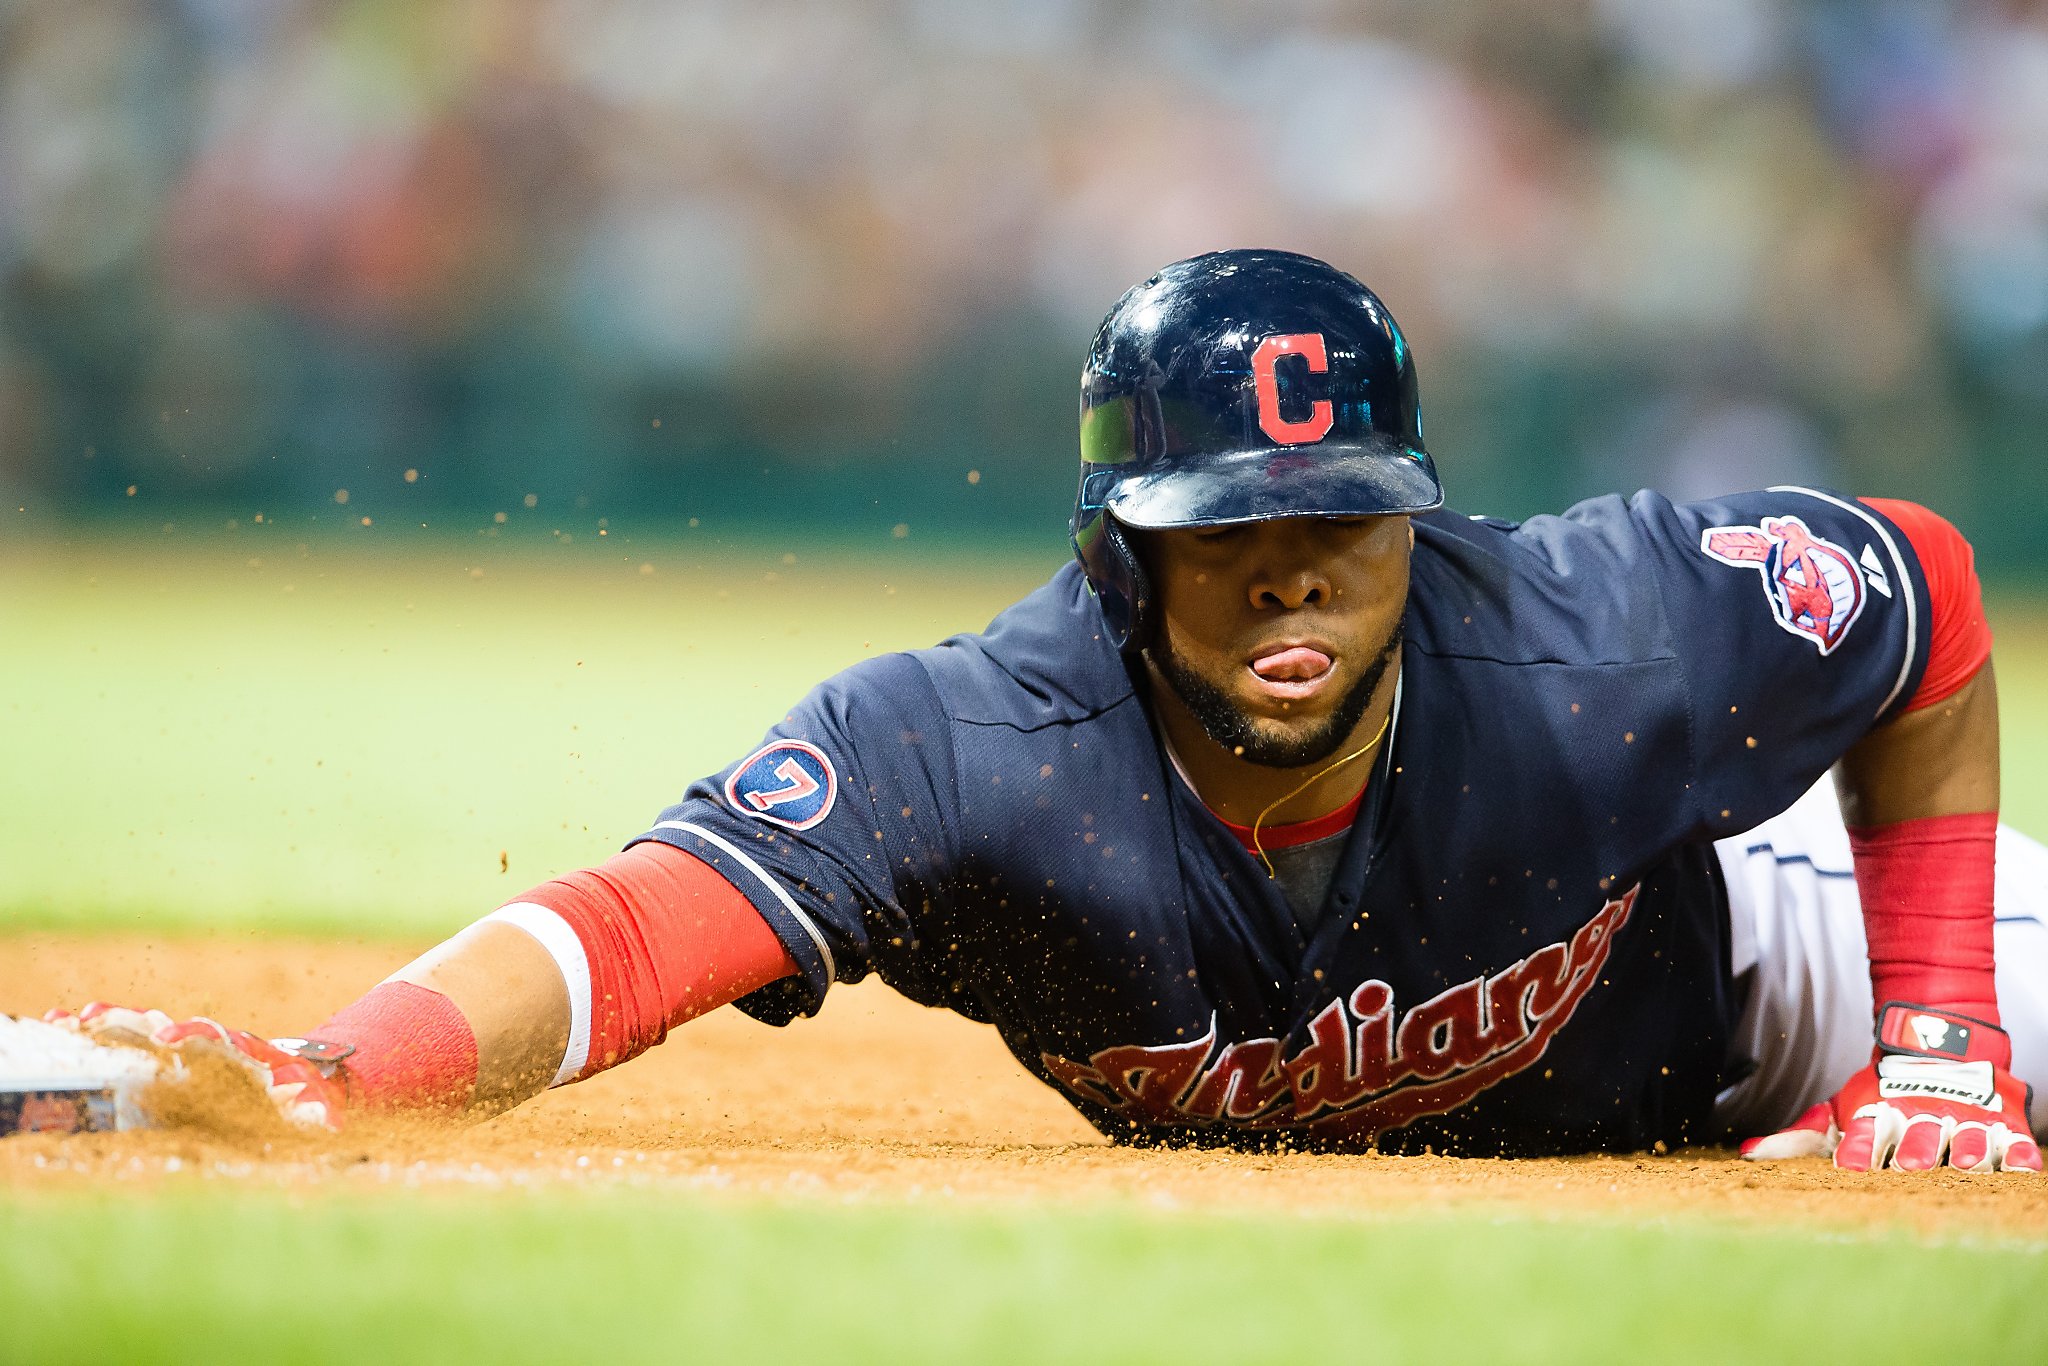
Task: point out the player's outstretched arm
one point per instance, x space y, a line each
575 976
1920 797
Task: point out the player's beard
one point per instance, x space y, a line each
1253 737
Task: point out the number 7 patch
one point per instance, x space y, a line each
786 782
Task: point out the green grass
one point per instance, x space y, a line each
244 730
241 731
619 1278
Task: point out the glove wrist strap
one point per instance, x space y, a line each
1930 1032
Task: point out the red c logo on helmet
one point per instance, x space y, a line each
1316 426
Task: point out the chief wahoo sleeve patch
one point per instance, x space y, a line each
786 783
1813 585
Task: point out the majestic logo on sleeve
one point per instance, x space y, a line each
788 782
1814 587
1367 1067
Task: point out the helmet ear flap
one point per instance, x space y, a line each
1122 588
1137 632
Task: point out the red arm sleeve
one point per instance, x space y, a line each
666 939
1926 885
649 939
408 1046
1926 890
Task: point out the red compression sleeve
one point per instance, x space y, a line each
1926 889
412 1047
1959 638
666 939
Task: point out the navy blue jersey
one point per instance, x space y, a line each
1524 947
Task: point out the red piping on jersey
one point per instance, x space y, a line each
1300 832
1958 637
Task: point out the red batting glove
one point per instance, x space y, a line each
1938 1091
301 1077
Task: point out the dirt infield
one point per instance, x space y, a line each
875 1099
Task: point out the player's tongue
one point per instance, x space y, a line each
1296 664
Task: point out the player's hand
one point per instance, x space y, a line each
303 1081
1938 1092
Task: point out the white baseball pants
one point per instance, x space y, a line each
1797 931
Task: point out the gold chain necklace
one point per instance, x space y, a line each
1260 819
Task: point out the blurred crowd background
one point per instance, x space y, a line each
835 263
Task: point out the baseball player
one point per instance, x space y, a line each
1301 811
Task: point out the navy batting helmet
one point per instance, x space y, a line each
1237 387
